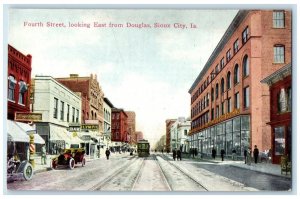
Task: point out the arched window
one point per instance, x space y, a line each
11 87
236 78
245 66
212 94
222 85
228 80
217 91
22 89
92 113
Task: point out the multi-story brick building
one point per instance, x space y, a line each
119 128
169 123
92 96
19 76
131 127
280 83
229 106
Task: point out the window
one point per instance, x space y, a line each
77 116
11 87
217 91
236 78
68 113
207 99
279 54
279 140
217 111
235 46
212 114
222 86
284 100
289 99
185 132
222 63
73 114
204 101
212 94
245 35
228 80
278 19
228 55
55 108
245 66
62 107
237 100
222 108
22 89
217 69
229 105
246 97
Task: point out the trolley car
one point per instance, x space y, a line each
143 148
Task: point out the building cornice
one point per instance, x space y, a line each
278 75
238 19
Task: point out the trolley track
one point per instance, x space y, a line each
194 180
116 175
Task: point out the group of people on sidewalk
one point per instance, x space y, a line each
176 154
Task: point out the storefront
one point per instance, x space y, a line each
228 135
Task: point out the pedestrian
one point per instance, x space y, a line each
43 155
245 155
162 151
234 154
174 154
249 156
255 154
222 154
213 153
107 153
178 154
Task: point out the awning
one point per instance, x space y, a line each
19 132
59 133
15 133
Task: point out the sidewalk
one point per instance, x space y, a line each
267 168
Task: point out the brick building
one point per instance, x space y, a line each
230 108
119 127
92 97
19 76
280 84
169 123
131 126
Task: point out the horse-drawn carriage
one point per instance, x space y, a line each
70 157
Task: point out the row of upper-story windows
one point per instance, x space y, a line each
61 109
22 90
279 52
223 108
106 115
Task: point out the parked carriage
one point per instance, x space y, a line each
143 148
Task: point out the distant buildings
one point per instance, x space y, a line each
169 123
230 107
119 130
179 134
131 127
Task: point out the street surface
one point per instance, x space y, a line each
158 172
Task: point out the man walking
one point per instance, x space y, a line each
255 154
222 154
43 153
213 153
107 153
178 154
174 154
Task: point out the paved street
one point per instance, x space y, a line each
158 172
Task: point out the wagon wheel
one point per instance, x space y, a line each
83 162
28 172
72 163
53 164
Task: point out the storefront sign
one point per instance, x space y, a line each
28 117
92 127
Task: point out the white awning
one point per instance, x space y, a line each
59 133
15 133
19 132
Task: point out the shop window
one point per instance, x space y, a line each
279 140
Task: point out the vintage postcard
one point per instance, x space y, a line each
146 100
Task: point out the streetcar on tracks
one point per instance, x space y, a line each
143 148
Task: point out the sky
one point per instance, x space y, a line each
145 70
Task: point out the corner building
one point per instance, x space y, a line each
230 107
